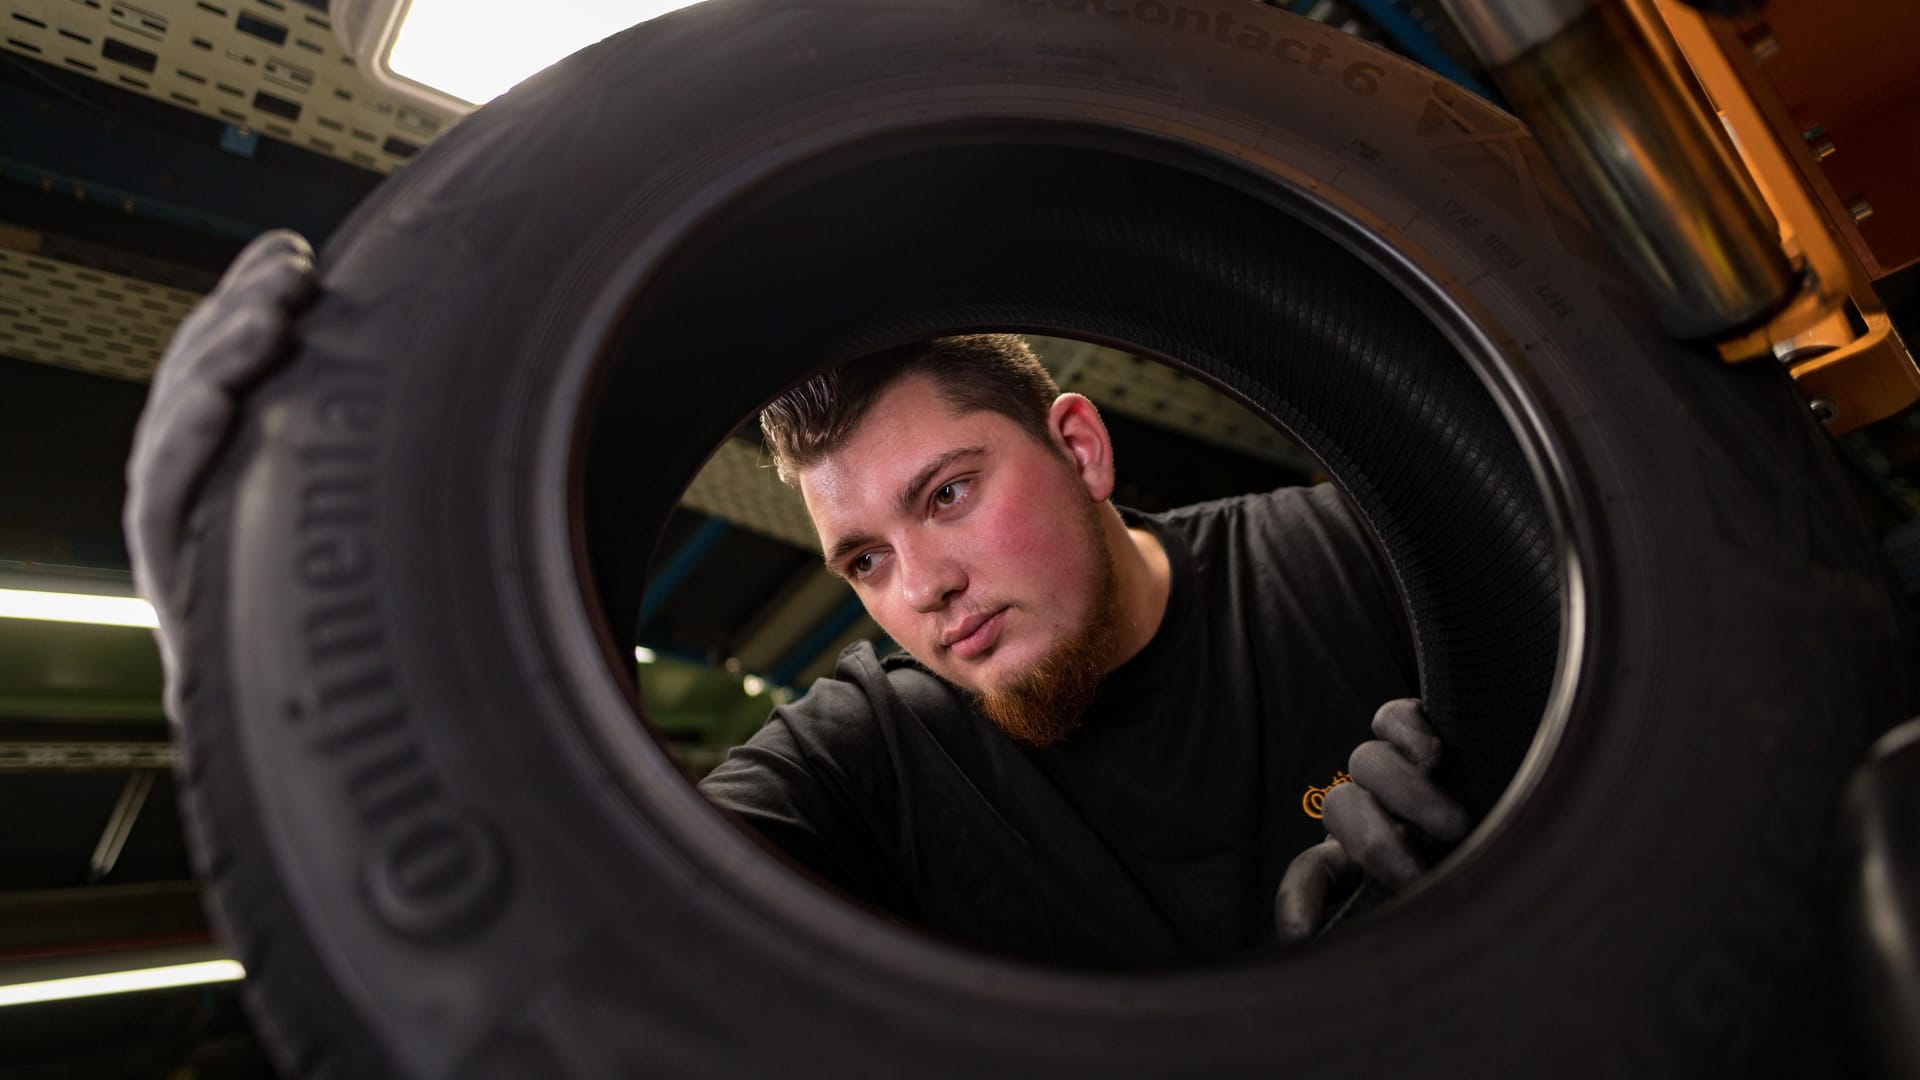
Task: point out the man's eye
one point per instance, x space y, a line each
950 493
862 564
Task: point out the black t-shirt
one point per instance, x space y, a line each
1158 831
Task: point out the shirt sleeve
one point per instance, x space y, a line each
1367 586
814 782
1341 594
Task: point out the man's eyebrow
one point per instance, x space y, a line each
842 548
910 491
902 503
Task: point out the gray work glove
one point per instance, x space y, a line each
237 334
1369 821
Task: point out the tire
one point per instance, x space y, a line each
438 839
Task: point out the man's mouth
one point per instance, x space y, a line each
975 635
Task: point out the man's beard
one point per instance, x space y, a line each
1044 705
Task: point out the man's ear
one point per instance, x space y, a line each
1076 430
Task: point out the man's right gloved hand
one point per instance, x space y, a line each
1371 823
237 334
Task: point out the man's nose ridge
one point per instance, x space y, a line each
930 579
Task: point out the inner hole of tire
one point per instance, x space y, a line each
740 614
1285 340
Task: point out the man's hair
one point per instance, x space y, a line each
973 372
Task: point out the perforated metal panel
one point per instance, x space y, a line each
60 313
1153 393
739 486
271 66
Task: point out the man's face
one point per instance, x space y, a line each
972 545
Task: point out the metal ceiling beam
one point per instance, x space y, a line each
807 651
86 756
862 628
66 920
108 241
803 604
59 145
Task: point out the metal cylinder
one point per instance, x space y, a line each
1634 139
1502 30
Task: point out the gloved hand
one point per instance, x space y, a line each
237 334
1369 820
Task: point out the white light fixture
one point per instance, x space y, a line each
452 55
76 608
121 982
644 654
754 685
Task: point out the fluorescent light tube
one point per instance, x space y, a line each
121 982
76 608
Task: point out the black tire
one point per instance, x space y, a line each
442 846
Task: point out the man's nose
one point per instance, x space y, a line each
930 578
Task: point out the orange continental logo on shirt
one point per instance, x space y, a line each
1316 797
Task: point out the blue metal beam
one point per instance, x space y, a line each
816 641
62 146
1414 40
129 202
671 576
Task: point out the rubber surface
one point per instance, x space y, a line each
442 844
1883 901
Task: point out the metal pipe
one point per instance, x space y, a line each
1634 139
113 837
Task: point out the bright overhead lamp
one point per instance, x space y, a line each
122 982
452 55
76 608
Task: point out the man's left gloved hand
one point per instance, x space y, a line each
1369 822
237 334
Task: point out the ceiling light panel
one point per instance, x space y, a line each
475 50
76 608
121 982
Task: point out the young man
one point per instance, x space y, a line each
1109 734
1104 734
